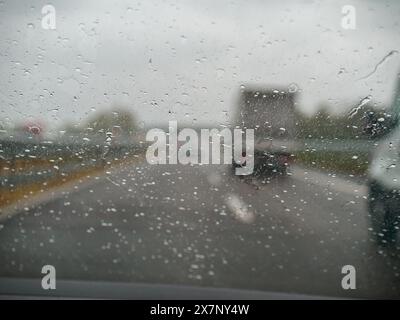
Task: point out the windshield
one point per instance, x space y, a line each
225 144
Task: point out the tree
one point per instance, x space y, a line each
114 120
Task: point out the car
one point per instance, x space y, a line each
384 189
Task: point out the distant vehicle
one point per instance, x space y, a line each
271 114
384 189
31 130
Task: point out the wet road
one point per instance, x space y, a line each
200 225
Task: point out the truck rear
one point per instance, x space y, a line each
271 114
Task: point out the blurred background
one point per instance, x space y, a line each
81 85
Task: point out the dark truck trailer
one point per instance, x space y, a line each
271 114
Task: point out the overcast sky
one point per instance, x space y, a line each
186 60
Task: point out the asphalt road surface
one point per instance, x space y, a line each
203 226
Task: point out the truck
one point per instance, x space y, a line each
271 113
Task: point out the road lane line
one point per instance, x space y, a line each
58 192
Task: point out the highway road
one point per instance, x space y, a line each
202 226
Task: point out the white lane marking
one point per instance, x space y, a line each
239 208
332 182
113 182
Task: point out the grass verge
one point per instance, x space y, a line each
337 161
